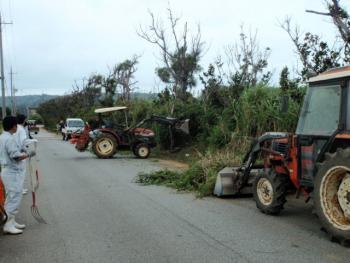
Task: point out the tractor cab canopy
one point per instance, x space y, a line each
326 109
109 119
111 109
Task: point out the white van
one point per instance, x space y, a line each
70 126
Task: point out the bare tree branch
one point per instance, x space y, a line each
339 17
179 56
318 13
246 59
294 34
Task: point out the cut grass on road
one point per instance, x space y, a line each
199 178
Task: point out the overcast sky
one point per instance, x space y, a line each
54 43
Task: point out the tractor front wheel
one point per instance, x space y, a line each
105 146
142 150
269 192
332 195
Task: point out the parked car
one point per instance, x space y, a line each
72 125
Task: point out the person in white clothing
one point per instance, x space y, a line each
10 157
21 137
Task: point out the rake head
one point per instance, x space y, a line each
35 213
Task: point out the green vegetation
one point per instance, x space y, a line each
201 176
37 118
235 105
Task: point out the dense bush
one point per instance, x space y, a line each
37 118
255 111
227 133
222 126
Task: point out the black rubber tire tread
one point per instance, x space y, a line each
95 142
340 158
138 146
280 184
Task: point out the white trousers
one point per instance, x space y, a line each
13 183
24 167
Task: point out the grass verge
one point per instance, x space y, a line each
201 176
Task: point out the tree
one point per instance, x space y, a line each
286 83
340 18
284 79
124 74
247 63
179 56
290 87
315 54
98 84
87 95
212 81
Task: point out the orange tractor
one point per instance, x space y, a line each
314 162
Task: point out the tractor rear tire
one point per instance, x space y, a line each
105 146
269 191
332 195
142 150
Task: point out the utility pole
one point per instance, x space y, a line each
2 70
13 94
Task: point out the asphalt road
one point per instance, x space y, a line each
95 213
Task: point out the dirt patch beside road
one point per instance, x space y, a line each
173 164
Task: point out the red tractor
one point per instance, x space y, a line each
112 134
314 162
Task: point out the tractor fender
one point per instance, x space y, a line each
150 141
114 134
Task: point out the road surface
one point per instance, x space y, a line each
96 213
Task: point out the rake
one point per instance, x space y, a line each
34 182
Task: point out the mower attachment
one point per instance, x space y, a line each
239 180
228 181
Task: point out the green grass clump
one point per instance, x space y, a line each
200 177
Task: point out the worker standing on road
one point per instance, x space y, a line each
10 157
21 136
61 127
